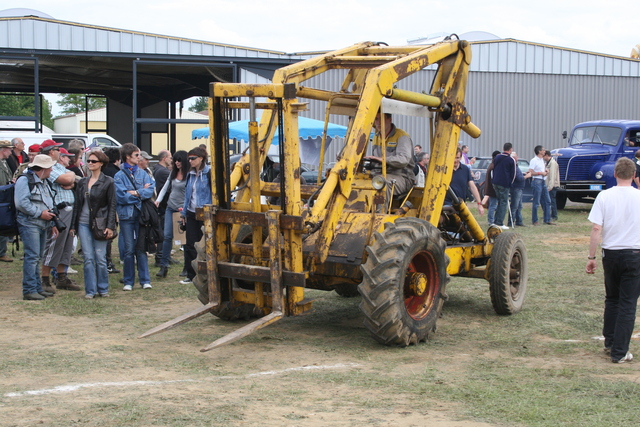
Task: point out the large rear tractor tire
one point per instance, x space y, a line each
508 273
403 288
227 310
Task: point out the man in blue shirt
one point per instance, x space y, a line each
460 181
504 173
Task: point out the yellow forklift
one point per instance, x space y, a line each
346 234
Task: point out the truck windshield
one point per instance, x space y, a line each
596 135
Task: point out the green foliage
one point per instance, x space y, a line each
201 104
72 103
22 105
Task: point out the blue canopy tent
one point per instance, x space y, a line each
310 132
307 128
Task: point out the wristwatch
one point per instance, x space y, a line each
591 257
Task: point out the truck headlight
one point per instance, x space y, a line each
599 175
378 182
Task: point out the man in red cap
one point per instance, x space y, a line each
58 249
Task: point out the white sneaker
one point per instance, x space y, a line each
627 358
504 227
146 286
71 270
186 281
127 288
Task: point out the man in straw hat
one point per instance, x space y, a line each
34 202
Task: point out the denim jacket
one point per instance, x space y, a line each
126 202
30 204
203 188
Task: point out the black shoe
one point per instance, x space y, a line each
122 280
183 273
163 272
173 261
112 269
33 297
46 294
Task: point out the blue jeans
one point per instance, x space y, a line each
129 231
622 288
491 212
168 237
96 276
516 207
540 196
33 239
502 194
554 205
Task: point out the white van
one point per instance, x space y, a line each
91 140
29 138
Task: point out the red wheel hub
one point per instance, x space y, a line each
421 285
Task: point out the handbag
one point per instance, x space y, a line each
98 226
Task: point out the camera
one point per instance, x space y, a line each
56 221
182 227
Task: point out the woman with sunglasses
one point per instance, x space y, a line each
197 194
173 192
133 185
95 207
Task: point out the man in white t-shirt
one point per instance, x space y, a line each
614 213
538 171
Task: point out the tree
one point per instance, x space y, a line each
21 104
72 103
47 115
201 104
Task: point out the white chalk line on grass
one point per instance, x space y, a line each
76 387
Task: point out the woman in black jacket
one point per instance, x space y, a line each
94 217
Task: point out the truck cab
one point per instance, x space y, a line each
586 164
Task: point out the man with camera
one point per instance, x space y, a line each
58 249
34 203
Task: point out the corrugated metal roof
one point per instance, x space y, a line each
516 56
50 34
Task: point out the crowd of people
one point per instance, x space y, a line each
66 206
505 183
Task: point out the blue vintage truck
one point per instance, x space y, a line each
586 164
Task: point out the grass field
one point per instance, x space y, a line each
68 361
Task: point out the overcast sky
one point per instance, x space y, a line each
609 27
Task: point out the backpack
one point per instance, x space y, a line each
8 211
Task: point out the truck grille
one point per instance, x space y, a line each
577 168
